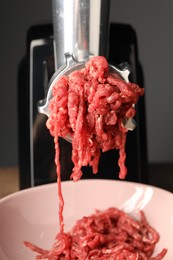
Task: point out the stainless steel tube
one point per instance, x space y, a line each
81 27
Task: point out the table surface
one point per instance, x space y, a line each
9 181
160 175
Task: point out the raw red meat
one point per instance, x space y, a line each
91 105
105 235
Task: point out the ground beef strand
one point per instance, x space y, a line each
105 235
91 105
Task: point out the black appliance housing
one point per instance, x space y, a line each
36 146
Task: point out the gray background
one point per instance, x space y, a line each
152 21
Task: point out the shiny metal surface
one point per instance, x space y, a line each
80 28
72 65
80 31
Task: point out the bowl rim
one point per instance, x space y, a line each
67 182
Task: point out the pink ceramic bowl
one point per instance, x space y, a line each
32 214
